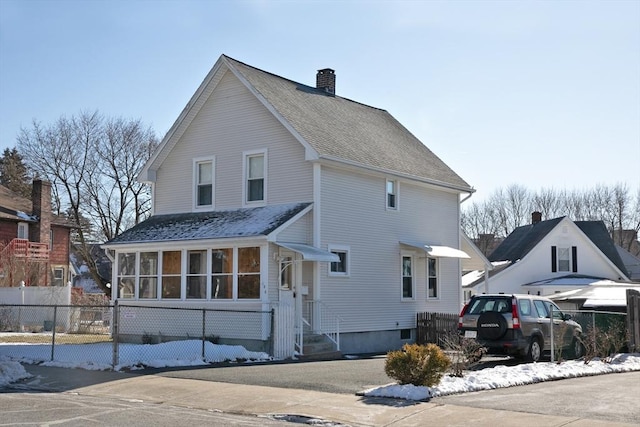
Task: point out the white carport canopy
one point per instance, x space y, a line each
438 251
310 253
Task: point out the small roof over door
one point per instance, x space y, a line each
310 253
438 251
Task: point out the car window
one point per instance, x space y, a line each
541 309
525 307
557 314
482 305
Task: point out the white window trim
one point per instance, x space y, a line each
340 248
569 259
196 162
437 297
245 177
25 227
403 255
397 194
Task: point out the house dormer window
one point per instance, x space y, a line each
23 230
255 176
564 259
203 179
392 194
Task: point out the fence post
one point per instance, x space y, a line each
53 334
633 319
272 345
115 333
551 329
204 320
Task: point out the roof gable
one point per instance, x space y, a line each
598 234
523 239
332 127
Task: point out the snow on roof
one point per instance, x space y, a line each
245 222
605 293
571 280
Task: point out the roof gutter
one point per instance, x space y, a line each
437 183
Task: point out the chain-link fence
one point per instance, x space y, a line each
604 333
128 335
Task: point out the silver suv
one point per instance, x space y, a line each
519 325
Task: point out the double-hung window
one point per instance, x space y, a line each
564 259
432 277
407 277
203 178
392 194
23 230
255 167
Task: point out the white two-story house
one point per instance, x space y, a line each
271 193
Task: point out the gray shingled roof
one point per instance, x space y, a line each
245 222
524 239
341 129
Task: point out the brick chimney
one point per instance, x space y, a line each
41 200
536 217
326 80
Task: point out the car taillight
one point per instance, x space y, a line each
514 314
464 309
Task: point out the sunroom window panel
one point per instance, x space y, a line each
197 277
148 275
222 273
249 273
171 272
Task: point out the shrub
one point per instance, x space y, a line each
420 365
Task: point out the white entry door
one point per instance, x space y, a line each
290 294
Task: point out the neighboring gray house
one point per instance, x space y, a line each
548 257
269 193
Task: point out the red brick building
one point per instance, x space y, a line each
34 243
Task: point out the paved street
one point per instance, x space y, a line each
71 409
237 395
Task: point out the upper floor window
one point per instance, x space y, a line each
341 267
203 178
564 259
392 194
255 174
23 230
407 277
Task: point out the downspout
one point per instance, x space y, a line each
113 273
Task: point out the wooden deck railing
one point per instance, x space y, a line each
23 248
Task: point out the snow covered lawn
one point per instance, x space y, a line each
509 376
188 353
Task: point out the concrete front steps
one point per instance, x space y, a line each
319 347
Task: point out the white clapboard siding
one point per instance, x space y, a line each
231 122
354 214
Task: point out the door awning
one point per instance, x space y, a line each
310 253
438 251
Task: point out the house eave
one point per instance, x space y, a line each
330 160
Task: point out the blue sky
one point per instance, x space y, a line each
535 93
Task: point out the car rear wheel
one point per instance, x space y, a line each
535 350
491 326
577 348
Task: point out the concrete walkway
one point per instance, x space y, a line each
243 399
